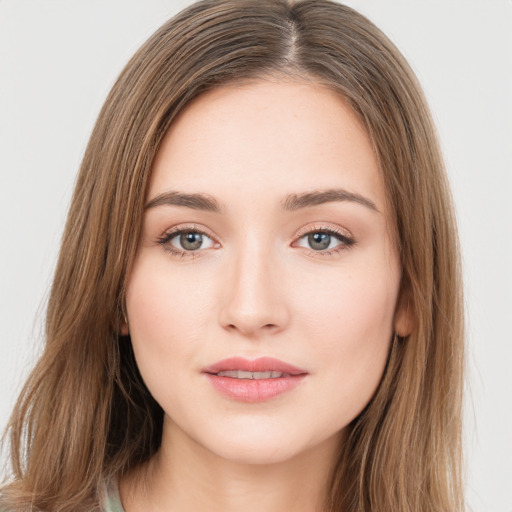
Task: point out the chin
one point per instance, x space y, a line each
256 453
263 443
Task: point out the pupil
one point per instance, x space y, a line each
191 241
319 241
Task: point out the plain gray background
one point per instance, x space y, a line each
58 59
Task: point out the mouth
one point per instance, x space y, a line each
255 380
241 374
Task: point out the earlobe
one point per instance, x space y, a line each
405 319
125 328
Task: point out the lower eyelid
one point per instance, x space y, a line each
341 245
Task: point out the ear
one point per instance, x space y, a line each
404 321
123 327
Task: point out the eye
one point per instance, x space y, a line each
184 241
325 240
191 241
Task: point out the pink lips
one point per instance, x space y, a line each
257 389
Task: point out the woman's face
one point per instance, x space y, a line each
266 239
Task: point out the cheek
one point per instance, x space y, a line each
165 312
356 305
351 323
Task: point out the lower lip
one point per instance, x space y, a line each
254 390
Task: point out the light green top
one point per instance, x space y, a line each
110 500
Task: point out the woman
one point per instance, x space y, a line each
257 301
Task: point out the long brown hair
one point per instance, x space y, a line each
85 415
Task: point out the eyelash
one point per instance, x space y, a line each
346 241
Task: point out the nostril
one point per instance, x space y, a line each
249 330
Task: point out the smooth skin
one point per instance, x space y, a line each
314 285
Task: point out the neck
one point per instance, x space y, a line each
186 476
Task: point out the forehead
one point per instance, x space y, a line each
267 138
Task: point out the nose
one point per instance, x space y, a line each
254 297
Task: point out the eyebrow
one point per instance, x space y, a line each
298 201
194 201
292 202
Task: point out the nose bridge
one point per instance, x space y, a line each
253 300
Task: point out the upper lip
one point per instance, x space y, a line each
261 364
